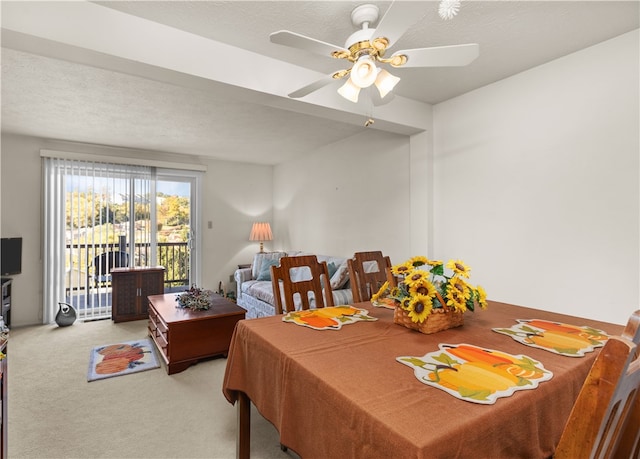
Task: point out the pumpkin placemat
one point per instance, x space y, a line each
388 303
476 374
332 318
556 337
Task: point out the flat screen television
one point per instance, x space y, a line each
11 256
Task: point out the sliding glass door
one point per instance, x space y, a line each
102 216
96 218
175 228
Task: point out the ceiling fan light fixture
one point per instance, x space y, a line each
385 82
364 72
349 91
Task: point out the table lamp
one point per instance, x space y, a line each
261 231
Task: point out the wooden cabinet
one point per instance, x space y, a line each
131 286
184 337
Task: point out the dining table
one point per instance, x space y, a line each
342 393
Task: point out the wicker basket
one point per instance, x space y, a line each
438 320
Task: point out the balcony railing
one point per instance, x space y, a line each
89 290
81 262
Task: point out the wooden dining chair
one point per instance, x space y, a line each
605 419
364 280
301 275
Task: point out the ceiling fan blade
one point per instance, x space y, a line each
308 89
398 18
295 40
440 56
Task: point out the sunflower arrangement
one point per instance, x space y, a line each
424 288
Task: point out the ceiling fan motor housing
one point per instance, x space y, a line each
359 36
364 14
360 42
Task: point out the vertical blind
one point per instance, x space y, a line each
94 213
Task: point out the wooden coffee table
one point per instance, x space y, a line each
184 336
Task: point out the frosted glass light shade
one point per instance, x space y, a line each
386 82
364 72
349 91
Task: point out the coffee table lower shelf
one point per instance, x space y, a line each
185 337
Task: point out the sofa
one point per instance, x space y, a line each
255 291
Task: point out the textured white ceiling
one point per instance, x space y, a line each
513 35
86 101
55 99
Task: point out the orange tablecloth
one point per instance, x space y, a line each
343 394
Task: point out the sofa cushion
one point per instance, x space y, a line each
246 285
263 290
340 277
265 269
260 257
332 268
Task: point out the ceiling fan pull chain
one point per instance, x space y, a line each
369 112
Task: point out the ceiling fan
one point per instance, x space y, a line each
369 46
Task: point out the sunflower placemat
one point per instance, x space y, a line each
556 337
476 374
332 318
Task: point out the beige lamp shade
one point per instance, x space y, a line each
261 231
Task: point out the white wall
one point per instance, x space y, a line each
346 197
537 183
20 192
234 195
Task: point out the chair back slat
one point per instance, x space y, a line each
285 288
365 282
632 329
605 420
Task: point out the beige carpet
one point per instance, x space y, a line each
55 413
